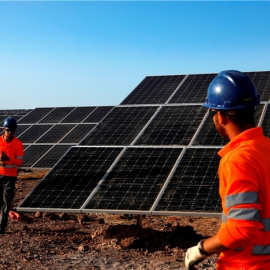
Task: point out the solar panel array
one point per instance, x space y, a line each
47 133
155 153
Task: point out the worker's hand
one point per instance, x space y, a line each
4 157
194 256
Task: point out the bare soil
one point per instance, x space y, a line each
98 241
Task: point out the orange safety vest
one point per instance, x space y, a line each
244 174
14 151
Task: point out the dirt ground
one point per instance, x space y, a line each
98 241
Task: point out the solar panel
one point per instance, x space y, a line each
261 81
2 118
56 115
35 116
73 179
121 126
154 90
208 134
14 112
136 180
44 126
156 153
34 133
78 115
194 185
17 114
52 156
56 133
193 89
98 114
173 125
21 129
78 133
33 153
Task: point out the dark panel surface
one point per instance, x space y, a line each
121 126
57 114
73 179
78 115
35 116
21 129
33 153
154 90
78 133
34 133
51 158
98 114
173 125
193 89
194 185
144 175
261 81
56 133
136 180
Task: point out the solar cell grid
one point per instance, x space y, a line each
143 178
35 116
21 129
78 115
208 135
193 89
73 178
34 133
14 112
261 81
173 125
56 133
121 126
136 179
52 156
33 153
78 133
56 115
2 118
25 145
98 114
154 90
194 185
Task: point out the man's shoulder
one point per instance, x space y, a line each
17 141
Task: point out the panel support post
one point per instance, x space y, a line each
139 220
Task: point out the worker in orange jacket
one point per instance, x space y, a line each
11 156
243 241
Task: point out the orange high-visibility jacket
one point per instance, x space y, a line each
244 175
14 151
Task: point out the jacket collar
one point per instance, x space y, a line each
243 136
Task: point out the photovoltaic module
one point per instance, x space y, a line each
155 153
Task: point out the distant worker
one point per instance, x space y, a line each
243 240
11 156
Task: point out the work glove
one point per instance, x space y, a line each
195 255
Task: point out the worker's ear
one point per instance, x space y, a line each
222 118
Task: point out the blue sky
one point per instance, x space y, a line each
58 54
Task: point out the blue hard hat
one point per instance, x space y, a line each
230 90
10 123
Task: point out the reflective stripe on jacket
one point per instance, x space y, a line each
244 174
